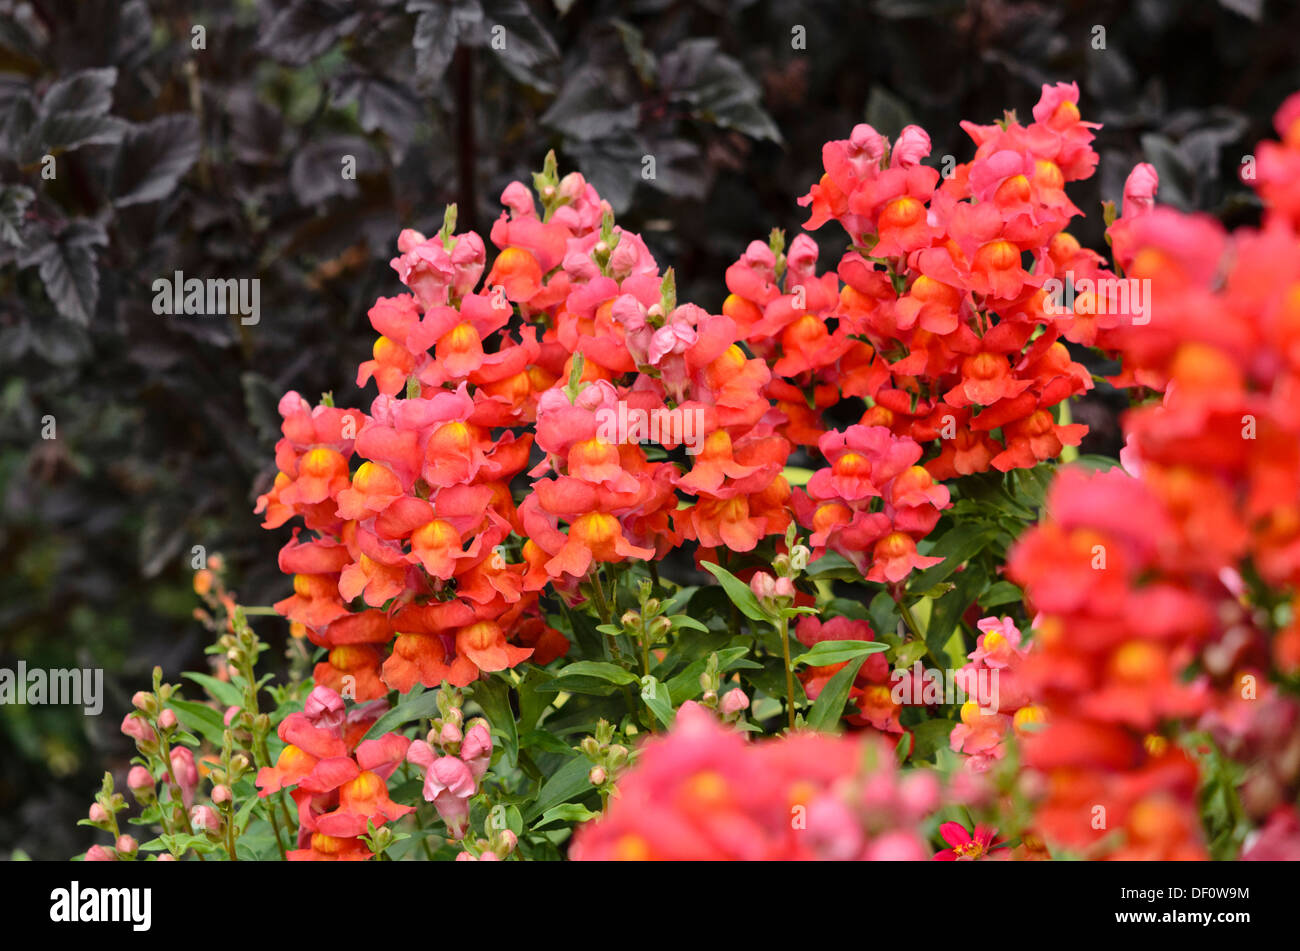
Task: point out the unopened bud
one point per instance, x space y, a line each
631 620
127 845
221 794
734 701
140 782
784 588
98 814
167 720
505 842
597 776
145 702
138 729
204 819
763 585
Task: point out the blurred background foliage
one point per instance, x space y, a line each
208 138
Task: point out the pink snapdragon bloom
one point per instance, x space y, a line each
186 773
452 780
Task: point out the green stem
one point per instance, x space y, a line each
598 595
912 626
784 628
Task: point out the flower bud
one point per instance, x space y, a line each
505 842
784 588
184 773
631 620
597 776
137 728
204 819
734 701
98 814
763 585
221 794
145 702
449 734
127 845
140 782
97 853
167 720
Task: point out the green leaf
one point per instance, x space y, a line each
955 546
225 692
493 695
545 741
1003 592
930 736
600 670
832 566
829 705
415 707
825 653
567 783
531 703
199 718
685 620
1095 462
565 812
739 593
658 698
245 811
909 653
686 685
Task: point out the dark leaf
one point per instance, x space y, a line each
153 158
307 29
89 91
587 109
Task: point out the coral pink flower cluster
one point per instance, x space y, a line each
1146 620
703 792
933 315
339 781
